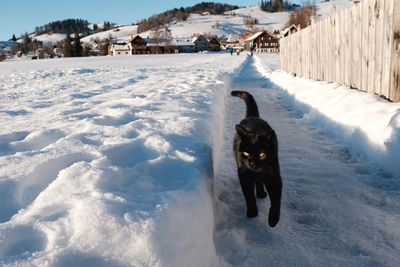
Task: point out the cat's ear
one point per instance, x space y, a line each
241 130
268 136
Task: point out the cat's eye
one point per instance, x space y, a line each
262 155
245 154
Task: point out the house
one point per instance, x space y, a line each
184 45
160 46
138 45
40 53
289 30
120 49
201 43
214 44
263 42
232 39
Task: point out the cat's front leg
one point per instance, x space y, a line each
274 188
248 193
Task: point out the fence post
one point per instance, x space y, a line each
395 54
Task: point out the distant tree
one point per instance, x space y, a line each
156 34
77 46
2 57
68 48
302 16
86 50
13 38
276 5
249 22
26 46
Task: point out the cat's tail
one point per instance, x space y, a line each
251 105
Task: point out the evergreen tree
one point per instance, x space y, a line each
77 46
68 49
13 38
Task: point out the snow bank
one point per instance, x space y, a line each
108 161
367 123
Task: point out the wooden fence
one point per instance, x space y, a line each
358 47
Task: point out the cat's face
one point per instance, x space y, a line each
255 151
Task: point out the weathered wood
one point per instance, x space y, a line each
365 44
386 53
372 46
379 8
395 55
358 47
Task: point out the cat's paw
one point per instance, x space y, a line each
273 217
252 213
262 194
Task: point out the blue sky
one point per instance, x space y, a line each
23 16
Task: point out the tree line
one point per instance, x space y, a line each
69 26
276 6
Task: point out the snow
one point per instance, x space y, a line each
338 208
52 38
127 161
105 161
122 33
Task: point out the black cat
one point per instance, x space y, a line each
256 152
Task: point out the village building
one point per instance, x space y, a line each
184 45
159 46
201 43
289 30
214 44
264 42
138 45
120 49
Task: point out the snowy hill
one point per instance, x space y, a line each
230 23
123 32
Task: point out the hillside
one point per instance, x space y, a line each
229 23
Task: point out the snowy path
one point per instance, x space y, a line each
338 209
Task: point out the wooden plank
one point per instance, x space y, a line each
395 54
365 44
371 46
353 46
358 44
356 41
347 50
308 52
337 47
342 47
379 8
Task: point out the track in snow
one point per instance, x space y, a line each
337 210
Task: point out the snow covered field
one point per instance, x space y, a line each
127 162
107 161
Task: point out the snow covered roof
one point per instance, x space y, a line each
290 28
233 38
254 36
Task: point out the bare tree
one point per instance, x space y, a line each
302 16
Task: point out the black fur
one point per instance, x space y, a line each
256 152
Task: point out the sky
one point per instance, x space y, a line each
18 17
